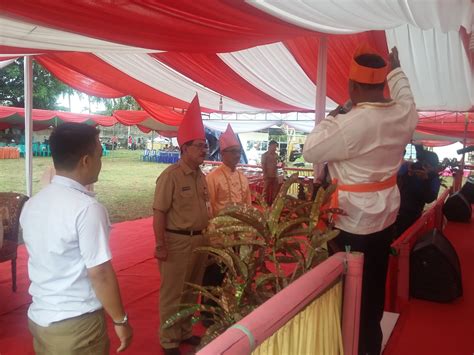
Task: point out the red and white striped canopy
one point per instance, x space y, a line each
255 56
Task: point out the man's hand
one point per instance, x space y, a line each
125 334
161 252
393 57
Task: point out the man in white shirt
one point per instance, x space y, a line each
66 232
364 150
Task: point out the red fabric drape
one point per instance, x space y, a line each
186 25
447 129
93 67
210 71
340 50
77 80
163 114
46 115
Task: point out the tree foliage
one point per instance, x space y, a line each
46 88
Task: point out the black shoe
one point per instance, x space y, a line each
194 340
171 351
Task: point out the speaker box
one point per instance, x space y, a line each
435 272
468 190
457 208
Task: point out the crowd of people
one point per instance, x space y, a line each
74 285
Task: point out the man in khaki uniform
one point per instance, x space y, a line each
270 171
181 212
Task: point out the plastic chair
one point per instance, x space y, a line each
105 152
10 208
36 149
43 150
153 155
146 155
21 149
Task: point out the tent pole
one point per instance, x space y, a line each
320 110
28 73
466 122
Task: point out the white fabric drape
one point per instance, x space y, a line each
437 67
155 74
239 126
273 70
4 63
25 35
332 16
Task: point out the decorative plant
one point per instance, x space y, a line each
246 241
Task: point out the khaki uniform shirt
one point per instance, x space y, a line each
269 165
181 193
226 187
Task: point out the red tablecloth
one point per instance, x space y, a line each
9 153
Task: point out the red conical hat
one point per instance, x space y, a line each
191 126
228 139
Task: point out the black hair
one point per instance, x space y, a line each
273 142
69 142
371 61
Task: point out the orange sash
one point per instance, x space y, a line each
364 187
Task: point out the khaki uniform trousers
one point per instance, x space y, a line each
82 335
181 266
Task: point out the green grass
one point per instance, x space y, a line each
126 185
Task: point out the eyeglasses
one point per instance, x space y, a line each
201 146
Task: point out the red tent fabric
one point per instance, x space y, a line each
186 25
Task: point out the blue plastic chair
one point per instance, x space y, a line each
146 155
105 152
21 148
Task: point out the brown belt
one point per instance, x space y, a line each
183 232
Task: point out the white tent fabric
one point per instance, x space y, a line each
273 70
445 82
24 35
159 76
340 17
425 31
239 126
4 63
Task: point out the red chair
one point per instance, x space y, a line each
10 208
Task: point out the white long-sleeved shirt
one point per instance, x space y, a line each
366 145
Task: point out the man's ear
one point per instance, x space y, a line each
85 160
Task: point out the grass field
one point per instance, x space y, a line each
126 184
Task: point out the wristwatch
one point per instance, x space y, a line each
124 321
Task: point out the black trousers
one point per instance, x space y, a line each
376 249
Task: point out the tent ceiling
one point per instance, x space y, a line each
240 57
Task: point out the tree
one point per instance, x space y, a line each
46 88
120 103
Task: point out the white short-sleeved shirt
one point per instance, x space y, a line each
363 146
65 231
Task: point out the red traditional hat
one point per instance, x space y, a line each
228 139
363 74
191 126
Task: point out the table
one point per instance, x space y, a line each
9 153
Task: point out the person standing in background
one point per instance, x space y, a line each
270 172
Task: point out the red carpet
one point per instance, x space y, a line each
434 328
132 245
